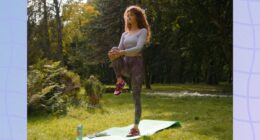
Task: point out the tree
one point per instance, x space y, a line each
190 44
46 30
59 30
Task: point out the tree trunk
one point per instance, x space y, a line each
212 75
59 29
46 31
147 80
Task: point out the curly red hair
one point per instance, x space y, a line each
140 18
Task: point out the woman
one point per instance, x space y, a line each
127 58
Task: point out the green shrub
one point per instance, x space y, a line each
51 87
93 89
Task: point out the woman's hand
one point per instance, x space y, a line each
115 53
120 53
111 54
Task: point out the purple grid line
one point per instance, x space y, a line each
250 97
250 74
13 116
251 0
245 48
245 72
246 24
246 121
16 68
13 20
14 92
5 87
249 50
14 44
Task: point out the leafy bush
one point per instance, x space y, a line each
93 89
51 87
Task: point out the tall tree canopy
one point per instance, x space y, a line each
191 40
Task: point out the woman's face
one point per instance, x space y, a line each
131 18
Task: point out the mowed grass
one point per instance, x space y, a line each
222 88
202 118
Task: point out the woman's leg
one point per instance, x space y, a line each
119 66
137 77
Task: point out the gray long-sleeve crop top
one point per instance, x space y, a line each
133 43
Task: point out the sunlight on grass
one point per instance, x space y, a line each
222 88
202 118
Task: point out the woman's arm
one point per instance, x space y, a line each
121 45
116 51
139 46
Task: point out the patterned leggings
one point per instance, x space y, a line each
133 68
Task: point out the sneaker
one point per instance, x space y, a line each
133 132
119 88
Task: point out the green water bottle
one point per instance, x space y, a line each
79 132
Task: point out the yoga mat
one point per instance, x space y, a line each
146 127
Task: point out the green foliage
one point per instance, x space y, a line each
94 89
51 87
190 44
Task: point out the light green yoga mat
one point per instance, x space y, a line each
146 127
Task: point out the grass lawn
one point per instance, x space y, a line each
222 88
202 118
